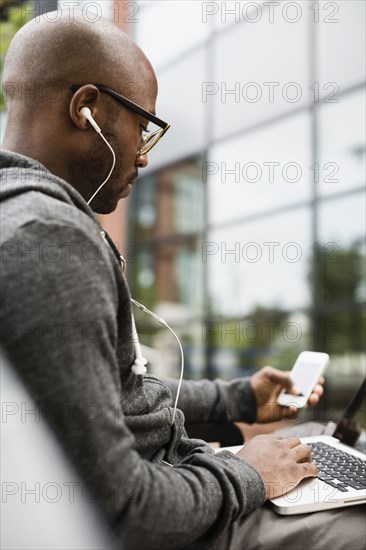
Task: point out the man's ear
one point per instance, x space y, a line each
85 96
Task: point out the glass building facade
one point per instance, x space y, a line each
247 230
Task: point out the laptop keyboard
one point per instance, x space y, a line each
337 468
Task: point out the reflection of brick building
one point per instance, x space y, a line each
165 195
175 215
168 231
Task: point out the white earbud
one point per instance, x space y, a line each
87 113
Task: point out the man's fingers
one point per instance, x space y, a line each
279 377
291 410
318 389
293 442
282 412
313 399
283 379
303 453
316 394
273 412
309 469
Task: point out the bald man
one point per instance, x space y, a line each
43 109
66 313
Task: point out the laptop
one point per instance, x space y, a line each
341 477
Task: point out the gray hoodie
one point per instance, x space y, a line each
66 327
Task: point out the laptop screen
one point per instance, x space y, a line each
349 428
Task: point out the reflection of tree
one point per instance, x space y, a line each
256 339
11 20
337 277
338 283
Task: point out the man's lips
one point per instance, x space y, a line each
129 183
133 179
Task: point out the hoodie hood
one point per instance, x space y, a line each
21 174
43 196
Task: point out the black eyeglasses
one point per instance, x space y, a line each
148 140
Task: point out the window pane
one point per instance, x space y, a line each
260 71
341 39
169 202
3 117
166 220
259 264
180 104
341 254
167 29
168 280
259 171
342 292
162 351
342 144
226 14
267 336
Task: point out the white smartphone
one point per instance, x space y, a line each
305 373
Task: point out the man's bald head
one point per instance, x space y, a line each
46 120
73 51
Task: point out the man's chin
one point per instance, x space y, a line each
126 191
108 206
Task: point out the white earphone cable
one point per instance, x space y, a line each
138 367
110 171
165 324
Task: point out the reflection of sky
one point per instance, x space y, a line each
343 221
104 8
2 125
342 143
260 53
341 54
179 103
237 284
283 143
166 28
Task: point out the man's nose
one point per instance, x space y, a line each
141 161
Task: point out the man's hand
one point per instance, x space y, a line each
282 463
267 384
